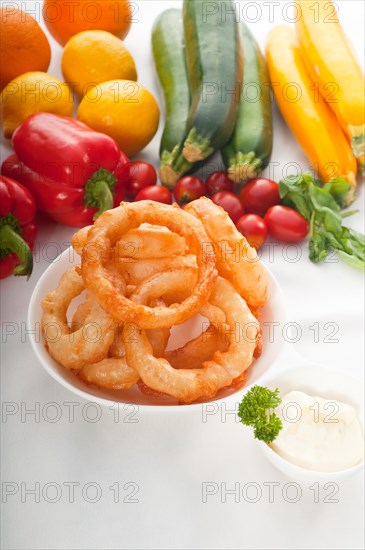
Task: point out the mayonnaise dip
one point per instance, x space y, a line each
318 434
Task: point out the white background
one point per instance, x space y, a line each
170 457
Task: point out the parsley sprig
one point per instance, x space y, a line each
257 409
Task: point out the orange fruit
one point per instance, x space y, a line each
33 92
64 18
94 57
23 45
124 110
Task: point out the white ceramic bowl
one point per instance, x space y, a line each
321 382
273 311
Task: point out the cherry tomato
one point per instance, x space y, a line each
155 193
259 195
141 175
254 228
219 181
231 204
188 189
286 224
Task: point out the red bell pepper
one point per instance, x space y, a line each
18 229
73 172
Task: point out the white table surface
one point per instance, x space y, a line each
161 463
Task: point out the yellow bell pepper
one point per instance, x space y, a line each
332 64
307 114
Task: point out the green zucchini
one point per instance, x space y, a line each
215 66
249 149
169 55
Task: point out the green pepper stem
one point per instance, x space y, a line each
103 196
11 241
99 191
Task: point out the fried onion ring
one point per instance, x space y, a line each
148 267
191 355
195 352
79 239
136 271
150 241
172 286
144 242
80 315
187 385
236 260
106 231
89 343
179 281
113 372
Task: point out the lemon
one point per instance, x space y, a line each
31 93
94 57
124 110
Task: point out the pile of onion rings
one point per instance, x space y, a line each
145 268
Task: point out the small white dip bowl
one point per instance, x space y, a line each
321 382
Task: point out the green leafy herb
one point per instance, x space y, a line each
321 205
256 409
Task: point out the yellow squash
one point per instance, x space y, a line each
331 62
307 114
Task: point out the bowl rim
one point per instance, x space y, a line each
286 466
105 402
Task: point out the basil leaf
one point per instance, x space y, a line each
300 204
320 204
321 199
332 223
338 188
317 247
350 259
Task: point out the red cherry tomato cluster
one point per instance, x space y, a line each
257 211
141 184
141 175
260 198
